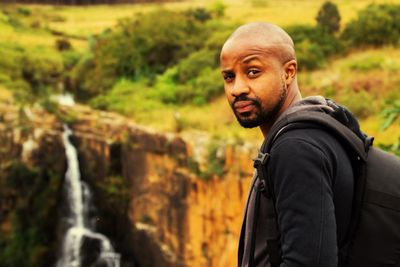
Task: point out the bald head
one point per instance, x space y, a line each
265 36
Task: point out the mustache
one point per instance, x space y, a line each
254 101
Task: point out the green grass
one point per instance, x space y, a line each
85 21
362 91
88 20
374 71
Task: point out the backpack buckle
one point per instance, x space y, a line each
262 158
369 140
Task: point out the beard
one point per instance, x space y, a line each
261 114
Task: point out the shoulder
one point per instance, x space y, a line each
308 152
317 141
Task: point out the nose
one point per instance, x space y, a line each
240 87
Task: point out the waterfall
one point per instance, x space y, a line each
79 228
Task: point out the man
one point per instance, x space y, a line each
312 177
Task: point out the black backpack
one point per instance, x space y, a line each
374 235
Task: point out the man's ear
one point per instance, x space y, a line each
290 69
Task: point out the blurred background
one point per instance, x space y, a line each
117 145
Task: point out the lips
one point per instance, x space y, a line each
243 106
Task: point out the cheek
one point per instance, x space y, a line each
269 90
227 88
227 94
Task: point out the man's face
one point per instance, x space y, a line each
254 81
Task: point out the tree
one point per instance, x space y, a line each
328 17
376 25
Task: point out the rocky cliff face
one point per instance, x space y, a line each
32 163
157 208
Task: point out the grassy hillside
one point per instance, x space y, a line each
84 21
362 79
88 20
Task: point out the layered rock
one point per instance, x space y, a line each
155 207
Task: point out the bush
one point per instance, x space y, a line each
137 49
328 43
391 114
127 97
328 17
196 80
32 237
11 62
43 72
149 50
368 63
87 79
24 11
362 104
309 55
218 8
190 68
63 44
30 74
376 25
207 86
200 14
313 45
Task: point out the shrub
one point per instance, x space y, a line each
367 63
391 113
207 86
32 237
313 45
200 14
137 49
126 97
309 55
43 72
30 73
360 103
376 25
191 67
196 80
63 44
328 17
328 43
218 8
88 79
24 11
149 50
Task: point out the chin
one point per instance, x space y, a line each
248 122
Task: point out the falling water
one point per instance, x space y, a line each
78 198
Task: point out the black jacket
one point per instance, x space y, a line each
312 180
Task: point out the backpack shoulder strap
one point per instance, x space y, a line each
358 146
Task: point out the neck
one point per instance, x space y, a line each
293 96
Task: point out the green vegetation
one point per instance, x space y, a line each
328 17
392 115
314 46
168 77
159 66
376 25
32 240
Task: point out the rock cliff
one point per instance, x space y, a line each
153 199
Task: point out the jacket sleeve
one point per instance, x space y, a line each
302 180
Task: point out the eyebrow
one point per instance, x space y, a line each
226 71
248 59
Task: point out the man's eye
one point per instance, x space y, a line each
253 72
228 76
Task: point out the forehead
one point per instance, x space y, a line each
240 49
